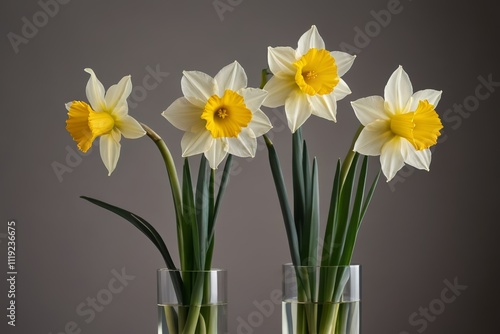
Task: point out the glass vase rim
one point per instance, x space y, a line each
220 270
354 265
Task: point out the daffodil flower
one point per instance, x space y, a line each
106 117
219 115
307 80
401 128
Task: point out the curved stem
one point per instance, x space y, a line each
346 164
174 182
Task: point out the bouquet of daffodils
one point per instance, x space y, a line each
399 127
221 117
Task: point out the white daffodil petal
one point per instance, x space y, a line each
118 94
281 60
245 145
324 106
343 61
260 123
298 109
369 109
184 115
193 143
95 92
418 159
129 127
398 90
197 87
110 151
341 90
120 110
254 97
391 158
310 39
117 137
431 95
373 137
231 77
278 91
217 152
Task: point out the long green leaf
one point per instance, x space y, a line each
343 212
328 241
149 231
306 194
352 230
314 215
189 254
283 199
369 197
299 190
202 209
220 194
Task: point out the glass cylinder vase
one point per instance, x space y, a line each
321 299
192 302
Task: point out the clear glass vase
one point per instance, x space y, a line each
192 302
321 300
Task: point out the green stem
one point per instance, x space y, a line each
174 184
283 200
195 304
349 156
263 77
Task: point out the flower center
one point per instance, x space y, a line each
226 116
420 127
222 113
316 72
100 123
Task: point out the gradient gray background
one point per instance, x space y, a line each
435 226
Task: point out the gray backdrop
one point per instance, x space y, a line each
423 233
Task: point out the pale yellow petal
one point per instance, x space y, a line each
245 145
391 158
217 152
343 61
116 96
373 137
298 109
324 106
196 143
254 97
184 115
260 123
231 77
341 90
369 109
310 39
281 60
110 151
95 92
278 91
129 127
420 159
197 87
398 91
432 96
